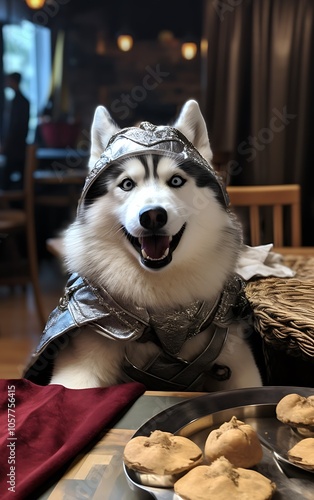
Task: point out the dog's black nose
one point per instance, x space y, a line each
153 218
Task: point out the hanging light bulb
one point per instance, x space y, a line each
125 42
35 4
189 50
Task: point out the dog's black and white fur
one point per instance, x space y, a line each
99 245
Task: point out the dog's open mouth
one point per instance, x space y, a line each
155 250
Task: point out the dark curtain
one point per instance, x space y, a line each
258 92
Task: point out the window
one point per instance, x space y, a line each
27 50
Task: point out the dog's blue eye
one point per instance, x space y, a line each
176 181
127 185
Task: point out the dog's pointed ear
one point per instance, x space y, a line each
103 128
192 124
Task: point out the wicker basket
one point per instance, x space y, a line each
284 308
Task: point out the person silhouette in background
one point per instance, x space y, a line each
13 135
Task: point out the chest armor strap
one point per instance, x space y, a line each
166 372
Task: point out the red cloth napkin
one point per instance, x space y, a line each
43 427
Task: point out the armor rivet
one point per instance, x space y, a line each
63 302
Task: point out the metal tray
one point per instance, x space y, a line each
196 417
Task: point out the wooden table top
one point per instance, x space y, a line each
97 473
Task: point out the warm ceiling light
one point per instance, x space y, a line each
204 47
125 42
189 50
35 4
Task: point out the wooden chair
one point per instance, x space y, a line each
255 198
15 221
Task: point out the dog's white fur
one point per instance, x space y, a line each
97 249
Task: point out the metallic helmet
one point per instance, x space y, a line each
151 139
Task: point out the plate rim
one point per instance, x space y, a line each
221 400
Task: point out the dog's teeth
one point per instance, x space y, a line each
144 254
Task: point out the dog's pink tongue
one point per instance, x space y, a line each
155 246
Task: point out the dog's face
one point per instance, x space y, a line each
151 201
151 213
156 208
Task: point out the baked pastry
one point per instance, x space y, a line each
297 411
222 481
236 441
303 454
161 458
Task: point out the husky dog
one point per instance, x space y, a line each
153 295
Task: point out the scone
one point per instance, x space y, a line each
297 411
236 441
222 481
303 454
161 458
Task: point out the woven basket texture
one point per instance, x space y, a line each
284 308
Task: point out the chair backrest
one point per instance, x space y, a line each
277 197
26 213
